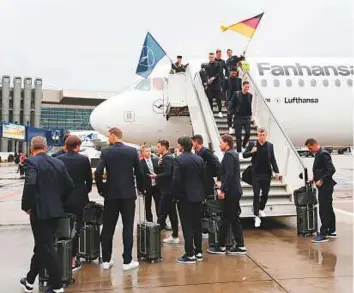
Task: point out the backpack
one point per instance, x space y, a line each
215 166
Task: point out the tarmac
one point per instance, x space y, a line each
277 259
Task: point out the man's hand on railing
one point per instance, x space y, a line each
277 176
254 149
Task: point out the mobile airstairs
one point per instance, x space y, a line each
184 95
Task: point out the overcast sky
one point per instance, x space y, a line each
95 45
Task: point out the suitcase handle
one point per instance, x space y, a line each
308 217
144 221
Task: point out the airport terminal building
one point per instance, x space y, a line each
25 101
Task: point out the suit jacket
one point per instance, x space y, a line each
164 174
79 169
236 101
272 163
146 171
47 185
121 163
230 175
323 168
188 177
209 162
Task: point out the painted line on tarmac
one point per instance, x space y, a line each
350 214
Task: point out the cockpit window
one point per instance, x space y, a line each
158 83
144 85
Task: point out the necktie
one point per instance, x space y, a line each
151 169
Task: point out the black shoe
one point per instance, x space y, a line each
332 235
186 259
216 250
77 266
199 257
237 250
27 287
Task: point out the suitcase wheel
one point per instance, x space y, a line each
160 259
152 261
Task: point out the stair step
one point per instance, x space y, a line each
225 127
252 136
272 193
223 120
275 207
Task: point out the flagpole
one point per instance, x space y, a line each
252 36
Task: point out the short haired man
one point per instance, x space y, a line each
63 150
233 60
263 161
241 106
178 66
230 191
150 166
323 170
224 73
47 185
164 181
213 71
121 163
79 169
211 162
188 186
233 84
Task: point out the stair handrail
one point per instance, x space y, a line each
207 112
290 145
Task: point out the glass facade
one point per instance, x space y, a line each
66 118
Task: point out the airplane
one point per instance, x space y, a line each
310 97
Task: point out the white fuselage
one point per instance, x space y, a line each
311 110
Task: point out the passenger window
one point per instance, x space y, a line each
313 82
276 82
264 83
157 84
325 82
143 85
301 82
288 83
350 82
337 83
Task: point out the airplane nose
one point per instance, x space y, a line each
97 118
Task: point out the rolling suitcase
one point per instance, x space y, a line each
213 240
148 239
66 228
89 243
93 213
306 220
64 250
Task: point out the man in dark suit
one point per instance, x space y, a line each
47 185
241 106
121 163
211 163
233 84
230 191
263 161
79 169
164 182
149 166
63 150
323 170
188 186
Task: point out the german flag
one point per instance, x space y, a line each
246 27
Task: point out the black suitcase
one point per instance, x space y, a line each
306 220
66 227
305 195
89 243
213 240
64 250
93 213
148 240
